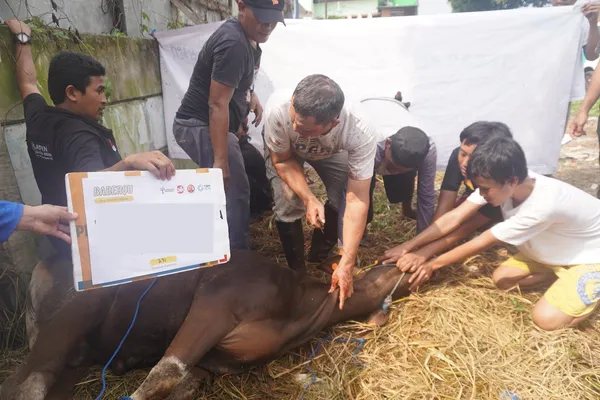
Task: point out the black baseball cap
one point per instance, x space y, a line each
409 146
267 11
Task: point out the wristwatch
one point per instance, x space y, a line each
22 38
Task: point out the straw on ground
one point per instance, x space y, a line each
458 338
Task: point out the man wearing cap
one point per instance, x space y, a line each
219 97
399 160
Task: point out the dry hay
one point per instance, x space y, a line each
459 338
12 307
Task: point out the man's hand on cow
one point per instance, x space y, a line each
257 109
224 166
315 212
392 255
421 275
47 220
342 277
410 262
153 161
577 126
590 10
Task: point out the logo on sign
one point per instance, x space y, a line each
114 190
180 189
166 190
191 188
203 188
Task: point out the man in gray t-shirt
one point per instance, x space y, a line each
314 124
218 99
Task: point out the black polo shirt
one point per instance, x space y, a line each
59 142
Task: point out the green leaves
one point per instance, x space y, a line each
487 5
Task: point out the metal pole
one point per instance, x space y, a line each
325 9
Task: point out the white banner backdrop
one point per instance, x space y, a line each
520 67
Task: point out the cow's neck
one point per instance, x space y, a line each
370 290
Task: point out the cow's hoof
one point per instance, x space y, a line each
378 318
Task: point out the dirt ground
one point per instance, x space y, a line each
578 164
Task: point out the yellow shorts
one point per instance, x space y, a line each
575 292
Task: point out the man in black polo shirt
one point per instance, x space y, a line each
218 99
68 138
455 176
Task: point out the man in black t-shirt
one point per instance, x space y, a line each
218 99
68 138
455 176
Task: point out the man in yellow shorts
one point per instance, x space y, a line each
555 226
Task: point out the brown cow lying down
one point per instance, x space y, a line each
224 319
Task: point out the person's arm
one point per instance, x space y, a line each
218 102
355 220
45 219
449 190
471 248
256 108
10 215
82 153
446 203
154 162
426 190
24 68
362 149
444 225
590 11
591 97
229 62
411 261
291 173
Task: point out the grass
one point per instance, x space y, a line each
576 105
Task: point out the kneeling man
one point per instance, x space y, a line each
315 125
555 226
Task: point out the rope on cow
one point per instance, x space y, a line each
361 343
135 315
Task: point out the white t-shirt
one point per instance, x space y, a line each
353 134
557 224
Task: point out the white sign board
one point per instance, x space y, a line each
133 226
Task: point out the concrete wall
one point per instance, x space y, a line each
135 113
94 16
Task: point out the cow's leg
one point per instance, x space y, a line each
205 326
189 386
55 342
63 388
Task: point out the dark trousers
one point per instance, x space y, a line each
398 189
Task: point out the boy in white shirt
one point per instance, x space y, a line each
555 226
